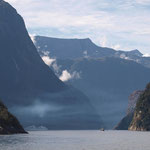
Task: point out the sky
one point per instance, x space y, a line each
119 24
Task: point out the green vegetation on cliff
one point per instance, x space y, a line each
141 119
8 123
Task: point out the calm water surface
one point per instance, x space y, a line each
77 140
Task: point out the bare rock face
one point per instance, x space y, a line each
18 56
8 123
30 88
141 118
133 98
126 121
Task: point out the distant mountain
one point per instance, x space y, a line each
105 75
79 48
8 123
107 82
126 121
141 117
30 89
70 48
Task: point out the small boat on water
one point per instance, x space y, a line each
102 129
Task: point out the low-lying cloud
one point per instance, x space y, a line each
38 109
63 75
66 76
33 38
49 61
146 55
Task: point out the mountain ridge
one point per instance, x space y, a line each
141 117
61 48
30 88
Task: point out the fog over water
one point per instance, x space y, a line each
77 140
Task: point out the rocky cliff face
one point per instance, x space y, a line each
30 88
141 118
133 98
126 121
8 123
18 55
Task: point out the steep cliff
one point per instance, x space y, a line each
141 118
30 89
8 123
18 56
126 121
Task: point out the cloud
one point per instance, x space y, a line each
124 23
146 55
51 62
103 41
76 75
48 60
66 76
56 67
116 47
143 2
38 108
46 57
85 54
33 38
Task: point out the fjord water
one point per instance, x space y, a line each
77 140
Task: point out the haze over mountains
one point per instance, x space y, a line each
97 80
30 89
106 76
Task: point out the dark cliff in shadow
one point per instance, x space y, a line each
30 89
9 123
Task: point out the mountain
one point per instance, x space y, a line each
21 67
133 98
8 123
97 71
70 48
107 82
141 117
126 121
134 55
31 90
79 48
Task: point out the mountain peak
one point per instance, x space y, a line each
136 52
5 5
27 82
19 55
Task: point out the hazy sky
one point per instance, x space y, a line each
121 24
